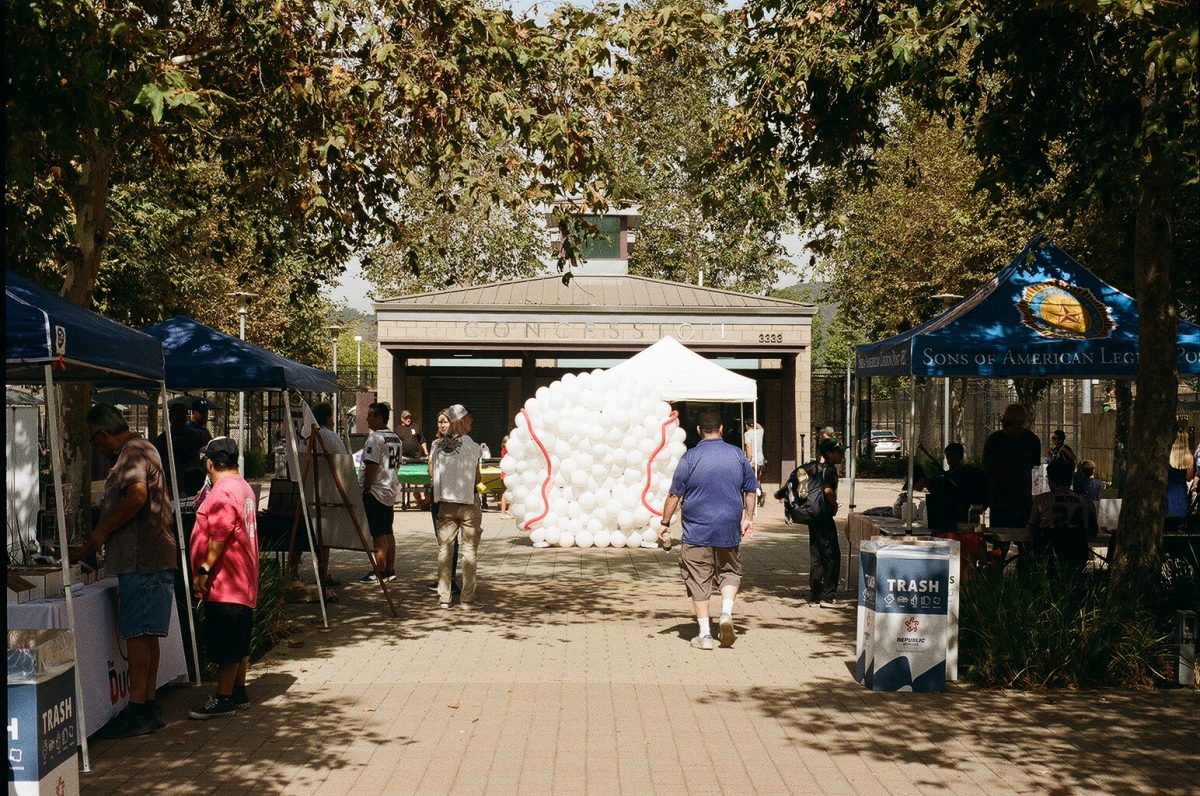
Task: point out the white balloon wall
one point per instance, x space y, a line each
590 461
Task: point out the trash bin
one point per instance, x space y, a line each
42 730
907 615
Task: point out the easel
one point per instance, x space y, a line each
311 460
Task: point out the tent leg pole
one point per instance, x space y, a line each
184 569
60 512
912 451
851 468
294 455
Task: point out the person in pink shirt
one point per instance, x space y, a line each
224 556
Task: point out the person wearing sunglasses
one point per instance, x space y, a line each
1009 456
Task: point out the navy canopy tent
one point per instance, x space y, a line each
1043 315
41 328
200 357
49 339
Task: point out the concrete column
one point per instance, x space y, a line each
802 384
789 419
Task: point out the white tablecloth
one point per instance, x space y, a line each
104 658
1108 511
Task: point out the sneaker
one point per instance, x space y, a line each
445 605
704 642
468 606
241 699
215 707
454 587
370 577
728 636
127 724
159 721
389 576
830 603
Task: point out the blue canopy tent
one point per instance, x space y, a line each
1043 315
42 328
49 339
200 357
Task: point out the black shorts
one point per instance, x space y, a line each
227 629
379 516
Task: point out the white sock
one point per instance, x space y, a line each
704 628
727 606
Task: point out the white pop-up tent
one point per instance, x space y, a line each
679 374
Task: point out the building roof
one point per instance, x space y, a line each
596 292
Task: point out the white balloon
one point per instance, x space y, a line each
602 538
574 526
641 515
541 393
650 535
566 539
537 535
584 539
579 478
617 539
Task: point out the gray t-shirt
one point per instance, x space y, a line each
145 544
454 462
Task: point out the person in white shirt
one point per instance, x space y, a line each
454 463
753 447
329 438
380 457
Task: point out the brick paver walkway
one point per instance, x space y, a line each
577 677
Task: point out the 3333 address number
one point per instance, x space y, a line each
771 337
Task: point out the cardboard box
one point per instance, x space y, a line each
20 590
47 580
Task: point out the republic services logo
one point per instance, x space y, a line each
911 624
1057 309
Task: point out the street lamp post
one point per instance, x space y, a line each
947 300
334 331
243 301
358 363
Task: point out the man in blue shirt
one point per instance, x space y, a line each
717 488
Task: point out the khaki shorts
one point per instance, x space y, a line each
702 566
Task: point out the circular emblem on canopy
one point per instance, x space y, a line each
1057 309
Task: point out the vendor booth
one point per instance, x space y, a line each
50 340
1043 315
199 357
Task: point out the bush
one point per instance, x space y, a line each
256 464
269 619
1034 630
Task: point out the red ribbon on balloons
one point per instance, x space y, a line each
662 443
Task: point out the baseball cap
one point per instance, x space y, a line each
405 413
200 405
456 412
222 451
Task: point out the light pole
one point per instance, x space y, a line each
947 300
358 364
243 301
334 332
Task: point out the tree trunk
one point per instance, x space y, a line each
1139 534
89 200
1030 393
1123 394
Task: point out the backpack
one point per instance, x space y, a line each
803 495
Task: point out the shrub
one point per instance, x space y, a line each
256 464
269 619
1035 630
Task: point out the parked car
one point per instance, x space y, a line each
885 443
